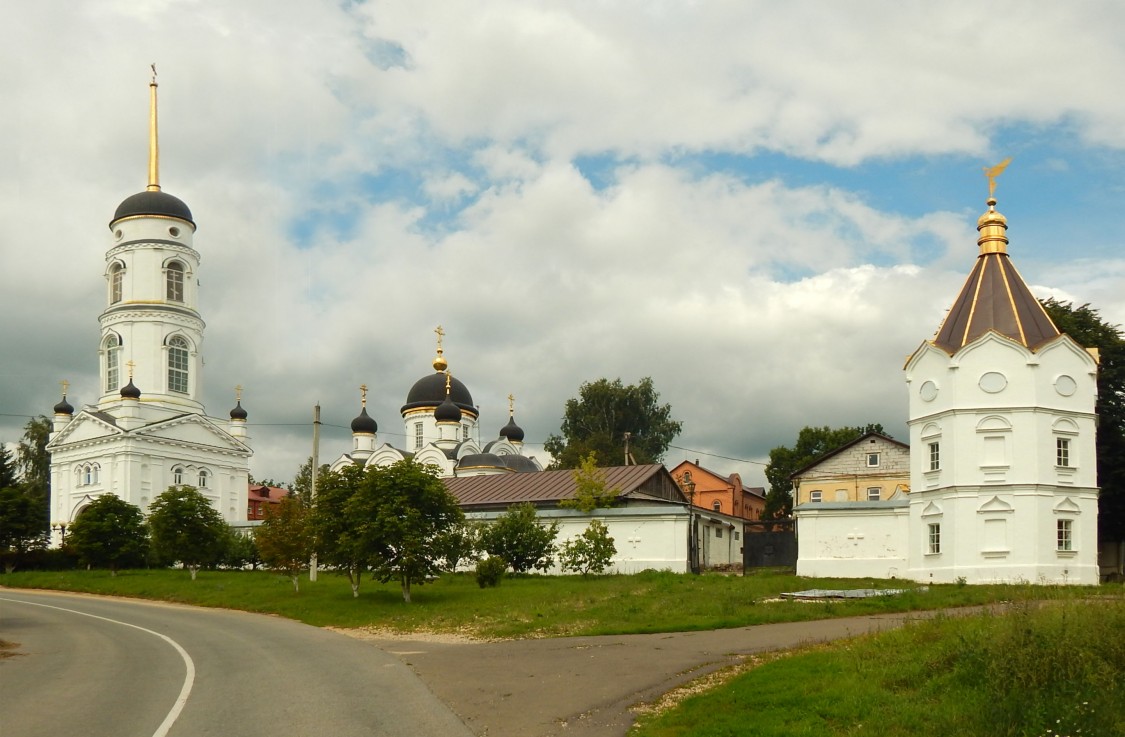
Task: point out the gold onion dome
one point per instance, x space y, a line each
992 226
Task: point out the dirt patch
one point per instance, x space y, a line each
710 681
8 649
384 634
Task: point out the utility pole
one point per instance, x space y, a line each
312 485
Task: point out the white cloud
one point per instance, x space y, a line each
361 173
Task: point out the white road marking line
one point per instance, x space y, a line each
189 677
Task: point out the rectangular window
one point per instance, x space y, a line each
1062 452
934 546
465 431
1065 537
873 493
175 283
718 532
816 496
872 460
935 456
417 435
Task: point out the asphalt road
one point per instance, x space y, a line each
590 686
96 666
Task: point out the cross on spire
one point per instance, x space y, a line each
363 395
238 393
65 386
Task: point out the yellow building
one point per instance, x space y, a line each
873 467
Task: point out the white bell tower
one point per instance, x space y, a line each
151 331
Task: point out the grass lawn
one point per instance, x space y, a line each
1043 670
1037 671
528 606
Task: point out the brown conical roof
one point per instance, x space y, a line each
995 296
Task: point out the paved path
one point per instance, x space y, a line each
588 685
261 675
86 667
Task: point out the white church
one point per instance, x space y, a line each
441 426
1003 484
148 430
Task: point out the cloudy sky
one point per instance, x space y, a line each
763 206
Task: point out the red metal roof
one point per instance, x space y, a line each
548 487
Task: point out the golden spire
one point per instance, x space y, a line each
440 364
153 147
448 382
238 394
363 396
130 364
511 406
65 385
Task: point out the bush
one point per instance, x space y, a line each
590 552
519 538
490 571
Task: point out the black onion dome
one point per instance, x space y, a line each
481 460
447 411
238 413
130 391
152 202
429 391
364 423
512 431
520 464
63 407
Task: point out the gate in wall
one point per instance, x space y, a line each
769 544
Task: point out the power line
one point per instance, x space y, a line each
716 455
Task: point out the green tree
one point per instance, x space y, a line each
284 538
812 443
9 476
598 419
239 550
21 528
461 542
186 528
266 482
590 490
302 482
519 538
337 534
109 533
590 552
1089 330
35 465
404 508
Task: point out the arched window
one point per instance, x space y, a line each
175 282
178 365
203 479
87 474
178 475
97 473
116 276
112 348
716 506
